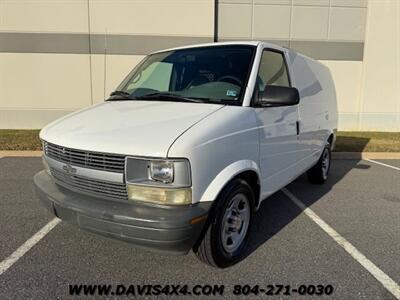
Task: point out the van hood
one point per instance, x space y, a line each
142 128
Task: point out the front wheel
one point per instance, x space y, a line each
319 173
226 236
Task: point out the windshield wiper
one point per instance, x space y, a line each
120 95
171 97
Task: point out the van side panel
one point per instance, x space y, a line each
330 107
317 107
327 115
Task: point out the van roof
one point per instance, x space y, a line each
250 43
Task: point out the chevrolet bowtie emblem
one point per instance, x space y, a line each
69 169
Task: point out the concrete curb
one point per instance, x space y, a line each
366 155
335 155
20 153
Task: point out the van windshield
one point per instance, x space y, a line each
216 74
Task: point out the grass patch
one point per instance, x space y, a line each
353 141
346 141
19 139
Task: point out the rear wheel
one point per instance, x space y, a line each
226 236
319 173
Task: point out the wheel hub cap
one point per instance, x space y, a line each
235 223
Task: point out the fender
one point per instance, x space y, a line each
226 175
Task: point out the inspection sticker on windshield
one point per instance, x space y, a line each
231 93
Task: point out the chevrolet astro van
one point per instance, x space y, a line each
182 153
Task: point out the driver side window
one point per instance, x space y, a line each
272 71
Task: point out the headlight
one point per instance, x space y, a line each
162 171
165 181
46 166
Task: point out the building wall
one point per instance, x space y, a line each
57 56
380 93
357 39
52 52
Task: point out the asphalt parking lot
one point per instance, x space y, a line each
360 201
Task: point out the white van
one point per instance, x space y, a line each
183 152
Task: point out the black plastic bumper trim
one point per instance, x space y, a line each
152 227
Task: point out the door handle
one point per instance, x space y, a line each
297 127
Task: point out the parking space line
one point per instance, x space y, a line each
384 279
25 247
382 164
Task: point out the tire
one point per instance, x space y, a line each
319 173
217 247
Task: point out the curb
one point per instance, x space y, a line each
335 155
366 155
20 153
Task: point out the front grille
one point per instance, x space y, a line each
92 160
91 186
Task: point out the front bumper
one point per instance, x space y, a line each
149 226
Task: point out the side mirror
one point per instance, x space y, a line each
275 95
